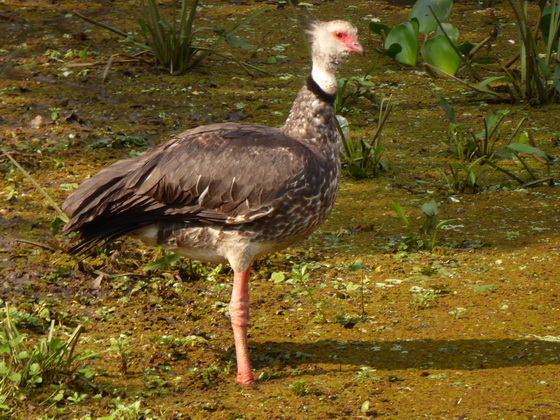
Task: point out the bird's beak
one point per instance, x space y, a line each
356 47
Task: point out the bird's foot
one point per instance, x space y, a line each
244 378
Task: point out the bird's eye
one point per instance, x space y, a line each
339 35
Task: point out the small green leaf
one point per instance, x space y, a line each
239 43
14 377
365 407
447 108
398 209
277 277
494 118
430 208
357 265
56 224
484 287
164 262
22 355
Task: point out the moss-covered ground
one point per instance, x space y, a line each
469 330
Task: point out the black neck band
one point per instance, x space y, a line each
316 89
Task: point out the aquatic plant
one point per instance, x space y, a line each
424 237
488 147
27 365
364 158
350 89
538 77
174 43
440 48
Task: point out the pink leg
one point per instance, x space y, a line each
239 314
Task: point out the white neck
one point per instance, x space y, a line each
325 79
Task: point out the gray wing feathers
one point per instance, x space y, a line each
225 173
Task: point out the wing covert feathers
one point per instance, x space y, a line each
222 174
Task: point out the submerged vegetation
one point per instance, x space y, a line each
435 279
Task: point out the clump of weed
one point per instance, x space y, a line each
26 365
489 149
426 236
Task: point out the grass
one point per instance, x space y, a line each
175 42
426 236
363 158
351 89
26 365
490 148
538 77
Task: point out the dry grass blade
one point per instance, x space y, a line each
61 214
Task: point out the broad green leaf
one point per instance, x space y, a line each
451 31
527 149
56 224
379 29
421 11
393 50
523 138
504 154
438 52
404 35
466 47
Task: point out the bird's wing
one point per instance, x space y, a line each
223 173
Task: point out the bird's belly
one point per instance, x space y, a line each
198 243
214 244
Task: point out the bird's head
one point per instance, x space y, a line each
332 42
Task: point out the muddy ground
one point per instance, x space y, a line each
468 330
